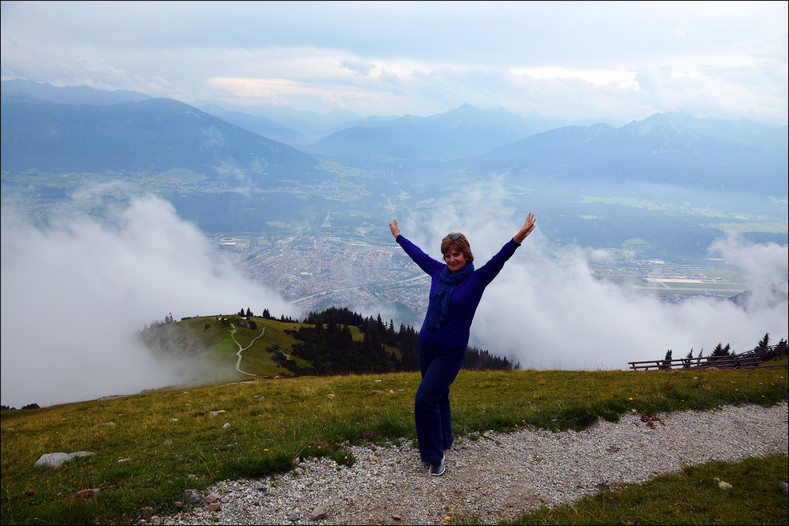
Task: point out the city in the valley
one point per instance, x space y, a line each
368 274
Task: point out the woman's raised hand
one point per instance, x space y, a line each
526 229
394 228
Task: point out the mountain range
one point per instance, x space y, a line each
663 149
307 166
459 133
144 137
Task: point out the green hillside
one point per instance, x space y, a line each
216 339
269 347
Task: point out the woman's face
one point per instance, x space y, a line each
455 259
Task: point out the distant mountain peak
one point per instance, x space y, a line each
659 123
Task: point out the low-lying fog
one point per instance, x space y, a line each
75 293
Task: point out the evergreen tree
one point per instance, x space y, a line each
668 355
667 360
720 350
763 343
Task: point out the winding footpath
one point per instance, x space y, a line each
496 476
240 349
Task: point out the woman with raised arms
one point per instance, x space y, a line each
456 289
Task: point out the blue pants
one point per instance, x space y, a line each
439 365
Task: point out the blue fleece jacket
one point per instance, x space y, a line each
454 332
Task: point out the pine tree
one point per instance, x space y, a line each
667 360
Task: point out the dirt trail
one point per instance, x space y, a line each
242 349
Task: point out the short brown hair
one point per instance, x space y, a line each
459 243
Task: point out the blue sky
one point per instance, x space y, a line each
617 61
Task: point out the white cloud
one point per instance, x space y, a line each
74 294
597 77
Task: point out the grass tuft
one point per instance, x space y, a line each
267 464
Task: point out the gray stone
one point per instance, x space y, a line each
784 487
55 460
318 513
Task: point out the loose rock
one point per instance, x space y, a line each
55 460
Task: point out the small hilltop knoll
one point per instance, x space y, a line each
333 341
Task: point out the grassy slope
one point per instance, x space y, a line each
191 339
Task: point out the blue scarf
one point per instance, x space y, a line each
438 307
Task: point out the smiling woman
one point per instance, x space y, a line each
455 292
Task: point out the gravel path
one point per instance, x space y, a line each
496 476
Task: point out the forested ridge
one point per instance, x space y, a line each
327 342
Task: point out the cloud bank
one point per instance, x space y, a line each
585 60
549 312
74 294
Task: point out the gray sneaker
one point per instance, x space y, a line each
437 468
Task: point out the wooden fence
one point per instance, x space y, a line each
747 360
